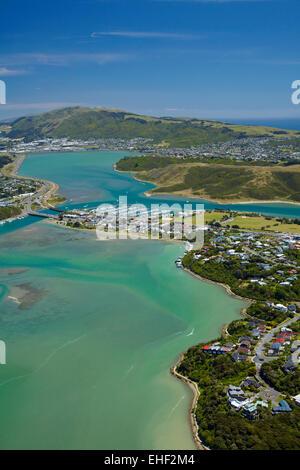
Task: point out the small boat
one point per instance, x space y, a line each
178 262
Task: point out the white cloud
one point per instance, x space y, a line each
5 72
36 58
146 35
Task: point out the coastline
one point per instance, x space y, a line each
15 166
192 385
225 286
192 412
217 201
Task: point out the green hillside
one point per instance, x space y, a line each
78 122
216 181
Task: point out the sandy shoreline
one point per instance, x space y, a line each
53 186
216 201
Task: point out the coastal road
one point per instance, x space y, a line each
47 188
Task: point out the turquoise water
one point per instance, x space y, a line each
99 325
88 363
88 178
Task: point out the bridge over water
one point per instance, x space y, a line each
40 214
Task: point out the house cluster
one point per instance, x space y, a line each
160 222
18 146
13 189
291 308
249 403
242 350
276 267
274 250
216 349
292 360
280 341
249 396
241 246
248 148
246 343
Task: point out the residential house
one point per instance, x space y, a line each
282 408
242 350
248 382
289 365
250 410
238 357
296 399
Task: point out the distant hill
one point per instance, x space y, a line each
83 123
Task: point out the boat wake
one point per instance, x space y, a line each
66 344
129 370
176 406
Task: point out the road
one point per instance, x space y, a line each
267 259
266 339
260 358
47 188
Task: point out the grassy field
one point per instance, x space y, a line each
262 223
209 216
56 199
244 222
215 216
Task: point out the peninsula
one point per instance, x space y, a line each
219 180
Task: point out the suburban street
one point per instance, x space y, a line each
260 358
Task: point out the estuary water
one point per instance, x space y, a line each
88 178
91 328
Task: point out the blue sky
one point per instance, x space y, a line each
219 59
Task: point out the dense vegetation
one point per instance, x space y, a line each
273 374
267 314
219 180
222 428
144 163
7 212
233 274
209 370
78 122
4 160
